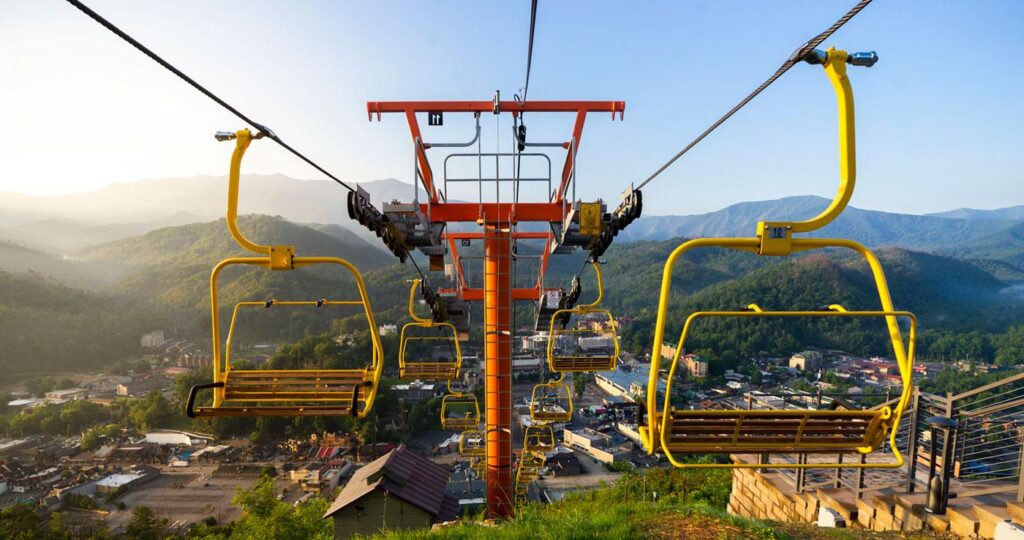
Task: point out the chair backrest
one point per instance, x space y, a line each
593 344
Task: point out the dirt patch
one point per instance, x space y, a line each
695 527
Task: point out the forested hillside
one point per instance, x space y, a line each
168 270
163 279
948 296
21 259
46 327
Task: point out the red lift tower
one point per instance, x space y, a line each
425 225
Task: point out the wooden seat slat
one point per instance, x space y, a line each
290 396
806 431
758 422
297 373
273 410
727 441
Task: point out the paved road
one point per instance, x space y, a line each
594 473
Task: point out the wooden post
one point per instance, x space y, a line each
839 471
912 435
860 476
1020 465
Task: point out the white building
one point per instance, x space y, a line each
167 437
597 343
696 366
152 339
68 394
387 330
806 361
115 481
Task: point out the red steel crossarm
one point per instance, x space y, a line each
544 260
529 294
410 108
452 212
376 108
456 262
421 157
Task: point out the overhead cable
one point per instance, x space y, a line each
797 56
167 65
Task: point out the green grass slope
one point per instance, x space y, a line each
691 504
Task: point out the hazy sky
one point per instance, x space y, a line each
939 116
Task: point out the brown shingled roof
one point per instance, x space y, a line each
406 475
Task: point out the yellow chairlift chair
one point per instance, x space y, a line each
460 410
418 339
538 439
303 392
674 431
479 466
473 443
552 401
577 331
530 465
766 431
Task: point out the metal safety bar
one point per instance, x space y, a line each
480 179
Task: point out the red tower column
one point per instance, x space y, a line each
498 367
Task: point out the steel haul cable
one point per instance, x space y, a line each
790 62
152 55
529 50
167 65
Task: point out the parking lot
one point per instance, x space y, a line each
189 497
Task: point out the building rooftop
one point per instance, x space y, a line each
65 392
624 379
117 480
405 475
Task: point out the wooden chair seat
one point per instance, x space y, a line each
579 364
288 393
286 385
434 371
274 410
460 423
771 431
554 414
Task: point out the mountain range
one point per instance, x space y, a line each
66 223
71 259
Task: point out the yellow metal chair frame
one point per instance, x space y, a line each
538 438
530 464
455 399
575 363
479 466
441 371
776 239
767 431
540 409
243 393
473 443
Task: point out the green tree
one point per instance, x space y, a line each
1010 347
145 525
579 383
264 517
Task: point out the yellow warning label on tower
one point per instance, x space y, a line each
590 219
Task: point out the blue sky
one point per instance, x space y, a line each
939 116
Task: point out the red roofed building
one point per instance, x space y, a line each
400 490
